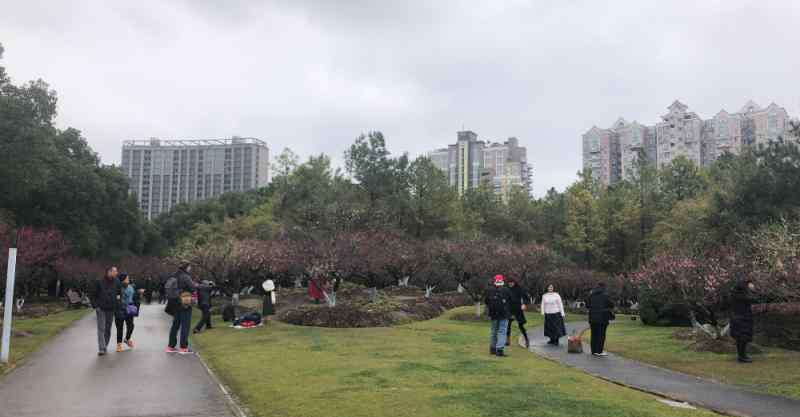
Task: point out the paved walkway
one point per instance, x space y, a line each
66 378
726 399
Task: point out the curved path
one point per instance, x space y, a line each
722 398
66 378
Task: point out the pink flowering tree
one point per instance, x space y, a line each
703 285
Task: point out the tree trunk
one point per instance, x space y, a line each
429 290
478 309
298 283
373 294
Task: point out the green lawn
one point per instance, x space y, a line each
439 368
41 330
776 371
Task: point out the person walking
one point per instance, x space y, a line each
180 307
519 304
553 312
204 304
742 318
600 314
127 309
498 300
104 299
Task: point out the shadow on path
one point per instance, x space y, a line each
66 378
726 399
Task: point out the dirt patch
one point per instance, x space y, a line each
355 309
702 343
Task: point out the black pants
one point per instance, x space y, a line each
205 320
180 322
520 324
598 336
741 348
126 322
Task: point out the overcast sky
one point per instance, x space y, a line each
312 75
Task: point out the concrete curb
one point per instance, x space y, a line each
233 403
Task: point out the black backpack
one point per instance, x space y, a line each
496 303
171 289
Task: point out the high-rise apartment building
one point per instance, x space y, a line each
164 173
471 162
611 153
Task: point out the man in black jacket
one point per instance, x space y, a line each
498 301
204 304
182 318
105 299
600 314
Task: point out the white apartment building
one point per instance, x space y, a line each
165 173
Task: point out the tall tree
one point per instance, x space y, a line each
431 199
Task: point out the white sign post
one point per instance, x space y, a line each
9 304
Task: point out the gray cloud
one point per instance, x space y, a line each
312 75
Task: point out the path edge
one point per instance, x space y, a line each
633 387
233 403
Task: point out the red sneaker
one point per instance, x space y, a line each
171 350
186 351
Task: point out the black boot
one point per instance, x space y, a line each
741 350
501 352
527 343
492 350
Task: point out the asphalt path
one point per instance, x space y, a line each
66 378
723 398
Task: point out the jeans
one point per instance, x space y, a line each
598 336
104 321
205 320
181 321
498 339
126 322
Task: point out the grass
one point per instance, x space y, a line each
41 330
776 371
439 367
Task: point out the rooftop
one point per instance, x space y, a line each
153 142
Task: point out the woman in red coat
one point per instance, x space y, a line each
315 290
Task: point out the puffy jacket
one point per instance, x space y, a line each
105 293
600 306
498 302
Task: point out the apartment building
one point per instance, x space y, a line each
612 153
471 162
165 173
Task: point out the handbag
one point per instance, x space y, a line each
132 310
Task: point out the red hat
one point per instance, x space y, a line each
499 280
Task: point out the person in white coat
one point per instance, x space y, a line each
553 312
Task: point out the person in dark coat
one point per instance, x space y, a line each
742 318
204 304
105 298
497 300
601 312
182 320
519 303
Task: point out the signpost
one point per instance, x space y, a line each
9 304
